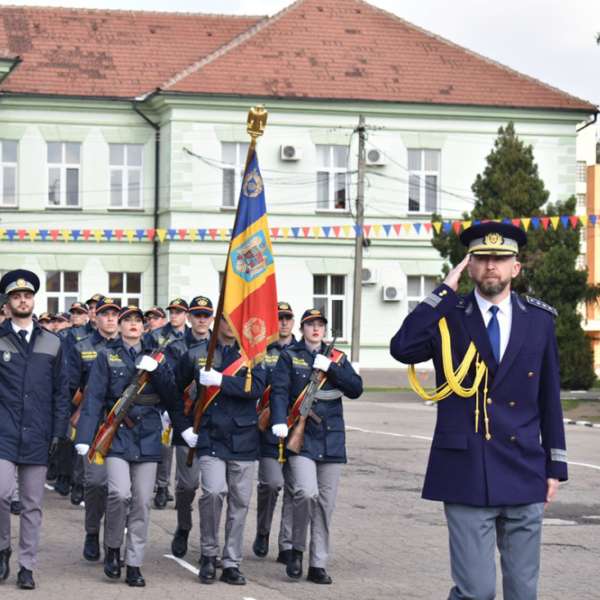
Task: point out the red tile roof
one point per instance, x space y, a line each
316 49
348 49
106 53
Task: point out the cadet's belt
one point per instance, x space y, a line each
328 395
147 400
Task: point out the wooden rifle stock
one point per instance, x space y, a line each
295 439
76 401
188 401
264 410
77 397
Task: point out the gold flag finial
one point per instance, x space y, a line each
257 120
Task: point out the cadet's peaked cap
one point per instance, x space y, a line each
19 280
201 305
45 316
132 309
155 310
78 307
284 310
63 316
95 298
496 239
179 303
105 303
311 314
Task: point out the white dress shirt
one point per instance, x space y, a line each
504 316
29 329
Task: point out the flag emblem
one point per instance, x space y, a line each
252 185
252 257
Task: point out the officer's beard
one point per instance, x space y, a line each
21 314
490 289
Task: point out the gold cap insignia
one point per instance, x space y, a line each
493 239
22 283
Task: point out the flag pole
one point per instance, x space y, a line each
255 126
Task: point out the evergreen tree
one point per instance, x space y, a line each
510 187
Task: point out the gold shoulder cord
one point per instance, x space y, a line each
454 378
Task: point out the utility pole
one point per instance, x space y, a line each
358 246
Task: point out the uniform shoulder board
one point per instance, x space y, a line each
542 305
461 303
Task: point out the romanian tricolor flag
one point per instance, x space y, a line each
250 295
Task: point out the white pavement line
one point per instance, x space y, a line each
49 487
247 598
578 464
182 563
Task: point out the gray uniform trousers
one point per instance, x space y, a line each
78 470
15 495
220 479
130 487
474 532
272 477
315 489
163 472
95 489
187 481
31 480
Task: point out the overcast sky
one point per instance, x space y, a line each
552 40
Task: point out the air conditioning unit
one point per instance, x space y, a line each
290 152
375 158
369 276
391 293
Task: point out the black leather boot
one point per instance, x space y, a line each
25 579
134 577
208 569
179 545
4 563
284 556
318 575
233 576
294 566
16 507
160 500
76 494
112 563
261 545
91 547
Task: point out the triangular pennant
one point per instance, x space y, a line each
447 226
285 231
66 233
437 226
397 228
593 219
43 234
139 233
224 233
417 227
407 227
366 230
86 234
377 230
10 234
151 233
306 231
535 222
171 233
583 220
555 221
295 231
182 233
427 227
387 229
466 225
119 234
274 232
346 229
193 233
97 234
574 220
315 231
456 226
564 220
108 233
76 233
21 233
212 232
516 222
326 230
202 233
357 230
2 232
33 234
130 233
336 230
161 234
53 234
525 222
545 221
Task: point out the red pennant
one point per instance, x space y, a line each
54 234
456 225
151 233
397 228
516 222
182 233
86 234
367 230
274 231
119 234
336 230
545 222
21 233
574 220
212 233
427 227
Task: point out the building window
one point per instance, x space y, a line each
581 203
234 157
417 287
8 173
329 296
125 175
423 180
63 173
62 289
581 171
332 178
125 288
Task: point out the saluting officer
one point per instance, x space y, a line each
135 451
227 445
487 463
272 475
317 469
33 416
80 359
186 368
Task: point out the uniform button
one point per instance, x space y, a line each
489 400
213 453
530 374
513 438
216 403
320 456
512 403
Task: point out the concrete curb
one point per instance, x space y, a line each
581 423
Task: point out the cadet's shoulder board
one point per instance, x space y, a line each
539 304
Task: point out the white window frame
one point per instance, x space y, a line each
331 171
64 298
422 175
423 289
237 168
325 302
64 167
126 171
581 203
5 165
124 298
581 171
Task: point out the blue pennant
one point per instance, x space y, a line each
171 233
535 222
295 231
108 234
202 233
76 233
565 221
43 234
387 229
139 234
326 230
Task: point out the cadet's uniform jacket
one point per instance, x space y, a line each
164 336
527 443
113 370
324 441
34 406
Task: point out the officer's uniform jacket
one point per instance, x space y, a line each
269 444
34 406
324 441
228 429
527 443
112 371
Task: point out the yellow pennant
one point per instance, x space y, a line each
285 232
525 221
2 232
407 227
346 229
33 234
583 219
315 231
193 233
466 224
554 221
377 229
161 234
130 233
98 234
66 233
437 225
223 233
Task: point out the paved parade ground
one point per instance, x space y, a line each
387 542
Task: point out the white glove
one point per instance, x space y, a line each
190 438
211 378
280 430
82 449
147 363
321 362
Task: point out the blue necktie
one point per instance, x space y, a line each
493 330
23 336
132 353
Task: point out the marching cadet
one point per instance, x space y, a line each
487 463
91 304
81 325
174 330
155 317
317 469
227 445
62 324
80 359
46 321
186 367
135 451
272 475
33 416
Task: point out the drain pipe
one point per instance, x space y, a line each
156 127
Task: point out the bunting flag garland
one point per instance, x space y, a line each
334 232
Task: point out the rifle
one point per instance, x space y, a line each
188 398
76 401
263 410
299 414
118 413
77 397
